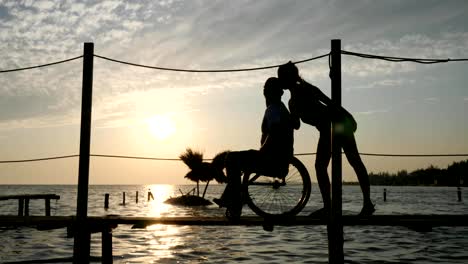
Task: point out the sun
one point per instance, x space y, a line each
161 126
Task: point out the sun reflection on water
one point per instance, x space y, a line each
163 239
161 192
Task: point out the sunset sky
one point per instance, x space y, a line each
401 108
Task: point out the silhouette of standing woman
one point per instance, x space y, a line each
313 107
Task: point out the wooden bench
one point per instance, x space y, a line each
23 201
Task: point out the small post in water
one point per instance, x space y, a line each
106 201
123 198
150 196
459 193
136 197
385 194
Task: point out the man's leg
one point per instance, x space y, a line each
354 159
233 174
236 164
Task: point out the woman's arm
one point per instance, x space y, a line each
318 94
294 115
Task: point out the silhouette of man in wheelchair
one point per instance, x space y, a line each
271 159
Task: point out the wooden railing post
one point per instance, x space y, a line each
335 226
81 248
106 249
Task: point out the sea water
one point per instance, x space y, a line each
233 244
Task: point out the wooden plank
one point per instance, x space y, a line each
30 196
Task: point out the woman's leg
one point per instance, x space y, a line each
354 159
322 160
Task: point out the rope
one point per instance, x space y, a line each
362 55
191 70
131 157
414 155
394 155
40 66
39 159
400 59
176 159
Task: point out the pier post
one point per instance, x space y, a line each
20 207
136 197
385 194
106 250
335 224
123 198
82 240
47 207
26 207
459 194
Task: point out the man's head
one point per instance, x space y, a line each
272 90
288 74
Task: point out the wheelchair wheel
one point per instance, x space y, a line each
269 197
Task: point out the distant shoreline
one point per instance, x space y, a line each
414 185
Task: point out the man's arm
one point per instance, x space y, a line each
269 139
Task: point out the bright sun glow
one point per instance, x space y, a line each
161 126
161 192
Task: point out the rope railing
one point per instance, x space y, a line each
400 59
344 52
39 159
177 159
206 71
41 66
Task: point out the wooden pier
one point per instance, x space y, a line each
105 224
136 221
23 201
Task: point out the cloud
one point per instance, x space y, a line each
432 100
387 83
446 45
44 121
196 34
44 5
373 112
